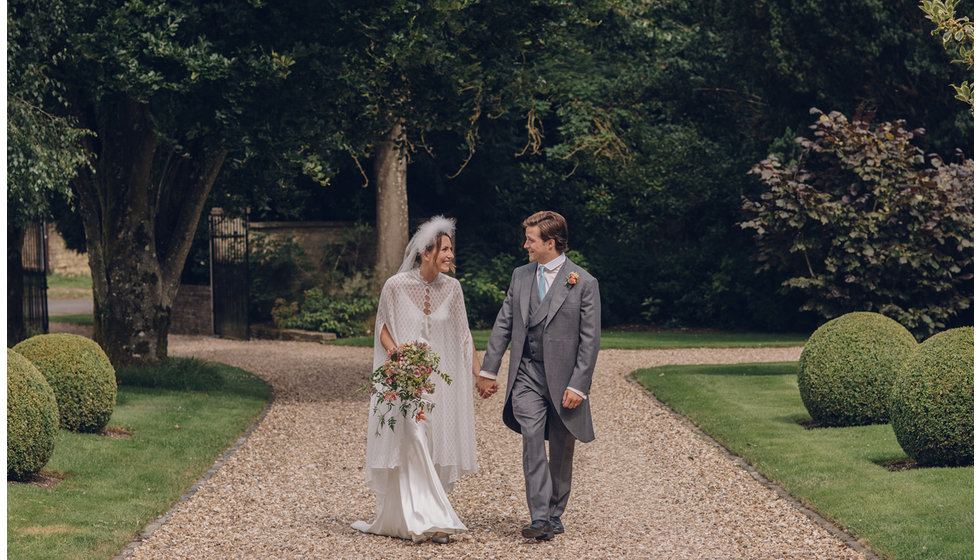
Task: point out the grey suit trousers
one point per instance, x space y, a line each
547 478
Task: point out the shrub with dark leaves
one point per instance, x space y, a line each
860 221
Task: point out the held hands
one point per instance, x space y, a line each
486 386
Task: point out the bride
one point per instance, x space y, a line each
412 469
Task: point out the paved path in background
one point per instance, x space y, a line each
649 486
69 306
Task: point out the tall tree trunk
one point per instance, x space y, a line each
391 177
16 325
135 264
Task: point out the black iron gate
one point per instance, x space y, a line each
34 259
229 273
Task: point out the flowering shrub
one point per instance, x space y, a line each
403 381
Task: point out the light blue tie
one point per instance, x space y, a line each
542 289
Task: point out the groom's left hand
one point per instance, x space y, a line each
571 399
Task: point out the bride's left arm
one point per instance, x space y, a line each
476 363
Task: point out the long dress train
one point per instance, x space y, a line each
411 500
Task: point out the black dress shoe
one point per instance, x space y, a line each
556 526
540 530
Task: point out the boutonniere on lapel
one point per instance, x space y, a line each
571 280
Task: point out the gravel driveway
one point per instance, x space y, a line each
647 487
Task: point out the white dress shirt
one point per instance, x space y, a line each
550 273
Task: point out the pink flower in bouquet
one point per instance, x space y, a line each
405 378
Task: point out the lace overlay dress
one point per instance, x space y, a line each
412 468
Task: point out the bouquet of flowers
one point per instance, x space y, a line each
403 380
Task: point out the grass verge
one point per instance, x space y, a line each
754 410
620 340
113 487
76 319
69 287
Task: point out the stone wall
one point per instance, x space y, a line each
322 243
61 259
191 313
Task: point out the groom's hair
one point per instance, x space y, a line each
552 226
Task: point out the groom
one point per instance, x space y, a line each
550 318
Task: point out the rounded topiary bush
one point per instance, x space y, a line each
79 372
848 366
32 418
931 402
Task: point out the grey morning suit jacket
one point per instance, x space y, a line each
571 340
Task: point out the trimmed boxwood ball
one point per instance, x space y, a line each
848 366
932 401
32 418
79 372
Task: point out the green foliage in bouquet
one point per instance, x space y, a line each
403 381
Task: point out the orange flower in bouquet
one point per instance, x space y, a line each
403 381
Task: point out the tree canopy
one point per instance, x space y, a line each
44 149
638 121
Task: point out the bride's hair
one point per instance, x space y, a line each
428 237
436 245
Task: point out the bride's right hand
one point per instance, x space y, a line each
486 387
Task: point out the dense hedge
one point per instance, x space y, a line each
32 418
79 372
848 366
931 402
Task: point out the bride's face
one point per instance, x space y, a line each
443 258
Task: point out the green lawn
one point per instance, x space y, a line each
77 319
69 287
639 340
753 410
115 487
610 339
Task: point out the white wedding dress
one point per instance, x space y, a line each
412 468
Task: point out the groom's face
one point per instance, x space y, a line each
541 252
